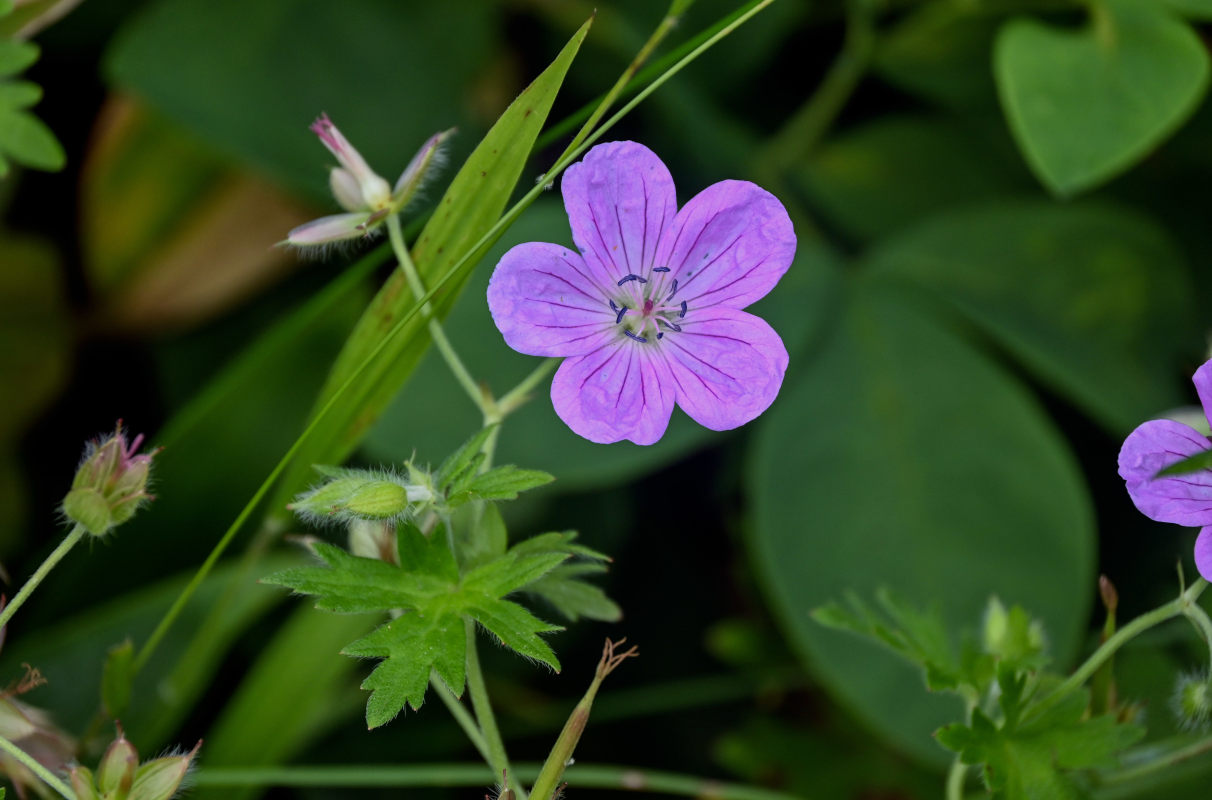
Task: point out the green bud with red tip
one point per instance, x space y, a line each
110 483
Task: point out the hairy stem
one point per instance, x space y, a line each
462 375
1177 607
497 759
69 541
31 763
589 776
1161 762
462 716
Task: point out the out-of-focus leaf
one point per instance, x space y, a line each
473 203
1194 9
900 169
72 652
1087 104
117 678
293 693
1094 299
171 232
16 56
34 354
903 457
31 16
26 140
941 52
371 64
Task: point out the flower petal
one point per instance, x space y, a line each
728 246
727 365
544 304
1181 499
1203 553
427 160
345 189
619 199
334 228
620 391
1203 386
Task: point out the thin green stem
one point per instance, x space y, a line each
472 253
1144 622
587 776
462 716
497 758
1161 762
955 780
462 375
31 763
1199 618
808 125
519 394
73 537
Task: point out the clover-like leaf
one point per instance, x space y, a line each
433 605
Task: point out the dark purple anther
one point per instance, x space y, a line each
682 313
660 335
633 277
672 291
660 269
633 336
619 317
673 326
613 307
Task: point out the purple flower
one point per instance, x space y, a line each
649 312
1181 499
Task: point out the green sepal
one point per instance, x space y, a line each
117 677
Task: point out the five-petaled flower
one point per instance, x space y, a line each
366 196
1181 499
649 312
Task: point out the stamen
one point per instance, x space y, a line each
633 336
633 277
673 326
672 291
660 335
613 307
619 317
683 311
660 269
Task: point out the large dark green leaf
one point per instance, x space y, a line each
1087 104
905 458
373 65
1094 299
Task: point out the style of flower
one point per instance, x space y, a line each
367 197
648 314
1181 499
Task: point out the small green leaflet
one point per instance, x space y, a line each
1029 760
430 633
1195 463
459 478
23 137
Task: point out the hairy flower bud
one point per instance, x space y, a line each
120 776
110 483
354 494
1193 701
160 778
116 772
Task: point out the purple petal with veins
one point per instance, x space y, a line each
648 313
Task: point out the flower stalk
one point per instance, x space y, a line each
73 537
32 764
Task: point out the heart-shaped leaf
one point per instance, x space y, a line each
1087 104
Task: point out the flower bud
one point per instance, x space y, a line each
374 539
1011 634
110 483
160 778
116 773
83 783
353 494
1193 701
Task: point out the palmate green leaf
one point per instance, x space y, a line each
500 483
432 603
471 205
1029 761
1087 104
573 597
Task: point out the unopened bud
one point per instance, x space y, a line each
1011 633
83 784
116 773
353 494
160 778
373 539
1193 701
110 483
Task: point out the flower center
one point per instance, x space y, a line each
646 309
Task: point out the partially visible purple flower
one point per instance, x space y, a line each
1181 499
366 197
648 314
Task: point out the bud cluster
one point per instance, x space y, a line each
110 483
120 776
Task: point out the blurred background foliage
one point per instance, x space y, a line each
1002 216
